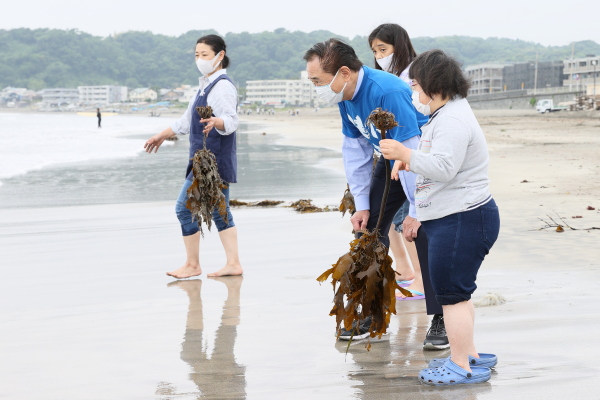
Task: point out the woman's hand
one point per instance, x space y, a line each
410 226
212 122
155 141
394 150
397 166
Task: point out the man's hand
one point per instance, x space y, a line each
410 226
359 220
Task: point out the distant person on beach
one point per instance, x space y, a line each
217 91
454 206
99 117
394 53
341 79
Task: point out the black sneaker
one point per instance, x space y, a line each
436 338
360 333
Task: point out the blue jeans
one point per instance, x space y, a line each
458 243
189 227
400 216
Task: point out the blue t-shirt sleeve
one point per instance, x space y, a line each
400 104
348 129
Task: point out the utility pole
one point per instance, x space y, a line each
535 74
571 69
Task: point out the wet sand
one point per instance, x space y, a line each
89 313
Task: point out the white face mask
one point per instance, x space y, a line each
327 95
386 62
422 108
206 66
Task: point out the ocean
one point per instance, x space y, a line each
56 159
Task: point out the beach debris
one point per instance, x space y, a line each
576 216
305 206
590 208
205 192
237 203
524 181
560 226
266 203
364 276
490 299
347 203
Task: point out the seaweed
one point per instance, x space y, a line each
205 194
305 206
266 203
364 276
347 203
237 203
204 112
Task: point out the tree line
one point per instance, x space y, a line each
45 58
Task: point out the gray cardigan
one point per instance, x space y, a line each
451 163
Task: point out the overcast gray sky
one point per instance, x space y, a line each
549 22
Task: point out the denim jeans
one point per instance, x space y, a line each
189 227
458 243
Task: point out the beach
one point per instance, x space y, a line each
88 311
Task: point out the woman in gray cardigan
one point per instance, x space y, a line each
454 205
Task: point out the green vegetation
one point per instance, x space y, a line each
67 58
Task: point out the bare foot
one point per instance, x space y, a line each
228 270
187 271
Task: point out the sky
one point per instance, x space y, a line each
548 22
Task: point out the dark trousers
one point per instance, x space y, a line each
422 244
396 198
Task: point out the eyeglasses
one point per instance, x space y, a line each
412 85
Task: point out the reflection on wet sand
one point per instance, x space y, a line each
390 369
217 375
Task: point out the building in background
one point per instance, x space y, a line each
142 94
282 92
106 94
59 96
581 72
523 75
485 78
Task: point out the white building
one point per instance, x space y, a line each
105 94
58 96
580 72
282 92
142 94
485 78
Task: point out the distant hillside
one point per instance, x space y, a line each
66 58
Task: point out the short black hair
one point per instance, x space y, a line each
217 44
395 35
333 55
438 73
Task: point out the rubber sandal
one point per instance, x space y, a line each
405 283
452 374
484 360
416 295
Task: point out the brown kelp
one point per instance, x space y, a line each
347 203
205 192
364 276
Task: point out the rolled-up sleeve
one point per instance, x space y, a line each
358 164
408 178
182 125
223 100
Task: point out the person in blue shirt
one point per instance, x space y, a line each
341 79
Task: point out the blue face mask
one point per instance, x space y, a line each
327 95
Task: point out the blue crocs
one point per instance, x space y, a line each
484 360
451 374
